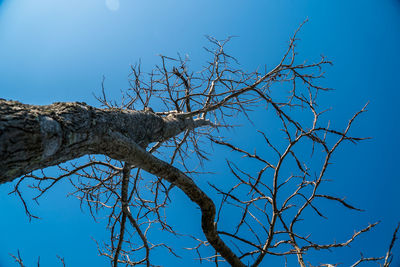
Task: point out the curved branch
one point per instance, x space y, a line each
126 150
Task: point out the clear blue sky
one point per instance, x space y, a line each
53 50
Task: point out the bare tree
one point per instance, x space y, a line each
136 157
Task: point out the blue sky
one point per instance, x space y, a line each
53 50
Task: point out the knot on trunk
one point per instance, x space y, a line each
51 133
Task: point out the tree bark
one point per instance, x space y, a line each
35 137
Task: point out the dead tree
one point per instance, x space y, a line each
137 157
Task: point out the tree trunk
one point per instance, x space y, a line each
35 137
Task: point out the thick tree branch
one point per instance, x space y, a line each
126 150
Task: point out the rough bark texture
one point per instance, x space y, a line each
35 137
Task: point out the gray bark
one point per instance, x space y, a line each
34 137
